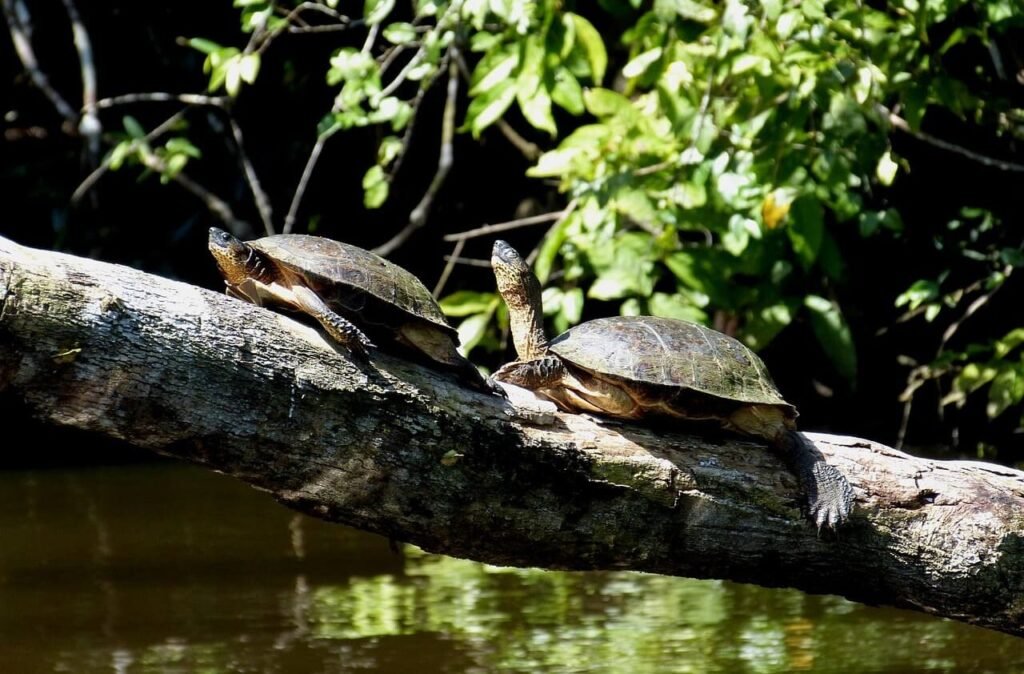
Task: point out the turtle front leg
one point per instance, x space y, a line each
543 372
336 325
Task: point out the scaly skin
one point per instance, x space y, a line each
829 495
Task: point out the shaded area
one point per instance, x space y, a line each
164 568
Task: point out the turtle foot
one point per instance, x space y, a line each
829 496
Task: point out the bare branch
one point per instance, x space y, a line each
487 230
262 202
369 442
23 47
307 172
468 261
450 259
902 124
162 97
444 164
89 125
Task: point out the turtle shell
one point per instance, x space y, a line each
647 351
326 264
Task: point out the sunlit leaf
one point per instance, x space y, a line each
466 302
593 46
375 11
375 187
833 334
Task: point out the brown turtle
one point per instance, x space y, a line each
636 367
351 292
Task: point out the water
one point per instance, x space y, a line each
167 568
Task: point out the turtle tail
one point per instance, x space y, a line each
829 494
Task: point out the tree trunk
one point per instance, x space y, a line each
404 451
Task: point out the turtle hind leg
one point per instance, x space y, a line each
439 347
829 494
336 325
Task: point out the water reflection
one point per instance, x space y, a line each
164 568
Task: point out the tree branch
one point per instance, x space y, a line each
394 448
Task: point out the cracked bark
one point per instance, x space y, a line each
404 451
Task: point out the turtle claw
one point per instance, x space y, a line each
830 498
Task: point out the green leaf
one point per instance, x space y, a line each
1009 342
918 293
553 164
490 106
638 66
531 68
1012 256
537 111
886 169
1007 389
593 46
466 302
400 33
606 103
204 45
472 330
132 126
971 378
806 229
550 246
834 335
675 306
687 9
567 92
572 306
375 11
375 187
493 69
390 148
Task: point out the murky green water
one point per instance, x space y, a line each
165 568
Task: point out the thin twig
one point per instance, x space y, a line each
902 124
215 204
972 308
403 73
371 37
525 147
307 172
162 97
411 124
259 196
89 124
505 226
450 260
23 47
91 179
445 159
468 261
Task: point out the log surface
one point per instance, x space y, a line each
395 448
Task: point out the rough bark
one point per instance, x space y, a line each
395 448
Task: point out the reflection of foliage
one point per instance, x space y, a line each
528 620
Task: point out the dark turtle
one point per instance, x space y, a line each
634 367
340 286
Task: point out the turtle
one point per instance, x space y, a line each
648 367
351 292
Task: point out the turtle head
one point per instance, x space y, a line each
521 291
234 257
511 272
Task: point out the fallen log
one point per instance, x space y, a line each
401 450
